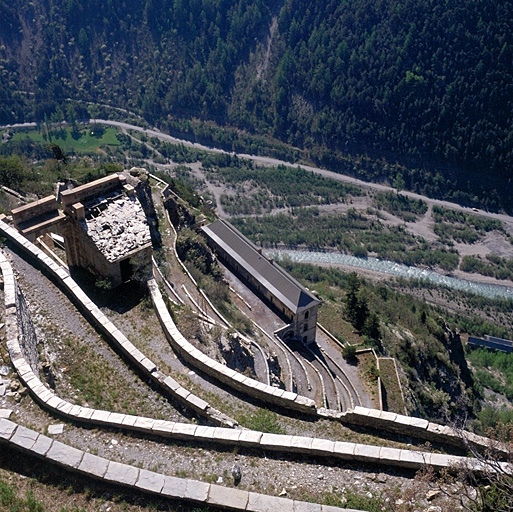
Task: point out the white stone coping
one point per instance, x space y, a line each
165 486
360 415
103 323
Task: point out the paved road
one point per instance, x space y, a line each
273 162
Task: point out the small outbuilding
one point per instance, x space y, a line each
283 293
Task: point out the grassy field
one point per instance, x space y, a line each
389 380
83 141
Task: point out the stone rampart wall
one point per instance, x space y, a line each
221 372
27 333
72 459
108 329
35 209
97 187
371 418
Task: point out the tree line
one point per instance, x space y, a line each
370 88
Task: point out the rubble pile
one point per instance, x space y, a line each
120 228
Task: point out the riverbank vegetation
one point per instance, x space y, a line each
451 225
401 206
492 265
423 336
352 233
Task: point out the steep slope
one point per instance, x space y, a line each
426 83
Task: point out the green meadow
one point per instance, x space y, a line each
88 140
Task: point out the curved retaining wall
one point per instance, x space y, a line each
369 418
183 489
221 372
105 326
313 447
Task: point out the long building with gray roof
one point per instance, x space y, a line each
293 301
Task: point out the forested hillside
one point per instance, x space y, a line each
421 87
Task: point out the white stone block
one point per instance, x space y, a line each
5 414
196 491
129 420
322 446
174 487
250 438
388 416
45 395
7 429
367 453
412 459
150 481
204 433
42 445
55 402
419 423
65 455
300 444
238 377
163 427
343 449
228 498
100 416
303 401
171 383
144 424
275 441
116 418
264 503
93 465
148 365
389 455
289 395
197 403
121 473
75 411
85 413
184 430
226 435
182 393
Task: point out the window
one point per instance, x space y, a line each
305 328
307 314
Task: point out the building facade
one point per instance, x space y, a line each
285 295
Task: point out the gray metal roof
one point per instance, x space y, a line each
269 274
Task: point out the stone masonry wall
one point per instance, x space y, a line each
371 418
27 333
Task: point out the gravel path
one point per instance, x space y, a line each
283 474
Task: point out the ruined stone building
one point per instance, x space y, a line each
103 223
286 296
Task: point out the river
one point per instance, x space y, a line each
396 269
387 267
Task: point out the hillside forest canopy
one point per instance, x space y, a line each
372 88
